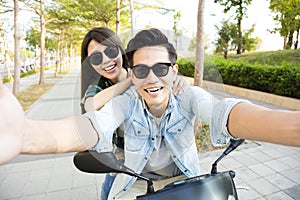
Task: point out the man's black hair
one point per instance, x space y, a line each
150 37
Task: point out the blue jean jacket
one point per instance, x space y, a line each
177 126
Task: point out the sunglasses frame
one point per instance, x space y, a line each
134 68
105 52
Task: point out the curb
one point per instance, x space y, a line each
281 101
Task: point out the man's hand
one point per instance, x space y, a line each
11 125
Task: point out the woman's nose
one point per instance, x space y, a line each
105 58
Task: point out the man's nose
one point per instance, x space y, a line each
151 78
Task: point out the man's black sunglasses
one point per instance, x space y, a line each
97 57
159 69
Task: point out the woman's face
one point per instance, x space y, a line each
110 68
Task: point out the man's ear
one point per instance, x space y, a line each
175 68
175 71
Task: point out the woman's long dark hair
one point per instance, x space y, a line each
105 37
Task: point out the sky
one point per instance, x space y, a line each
257 13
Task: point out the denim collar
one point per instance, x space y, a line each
169 109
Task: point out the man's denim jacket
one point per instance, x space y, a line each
177 127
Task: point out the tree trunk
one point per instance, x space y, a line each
118 17
131 16
290 40
240 37
284 42
225 53
297 39
17 37
42 41
199 63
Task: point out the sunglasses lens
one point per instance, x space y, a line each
141 71
96 59
112 51
160 69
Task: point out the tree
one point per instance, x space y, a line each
177 32
38 7
3 41
228 39
241 8
131 7
199 63
118 12
287 14
17 37
250 43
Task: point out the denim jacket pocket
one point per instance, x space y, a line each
136 136
181 133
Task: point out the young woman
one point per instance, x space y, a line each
103 65
103 76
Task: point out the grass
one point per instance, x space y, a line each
31 94
269 57
202 138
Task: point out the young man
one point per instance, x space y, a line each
158 126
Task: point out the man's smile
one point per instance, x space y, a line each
153 90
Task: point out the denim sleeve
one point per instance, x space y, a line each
218 126
106 120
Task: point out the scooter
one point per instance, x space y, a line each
213 186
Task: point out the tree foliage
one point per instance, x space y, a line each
287 14
228 38
240 7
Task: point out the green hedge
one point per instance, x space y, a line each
282 80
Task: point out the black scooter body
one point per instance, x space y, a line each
211 186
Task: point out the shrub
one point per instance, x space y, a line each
281 80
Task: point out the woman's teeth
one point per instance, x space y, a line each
110 68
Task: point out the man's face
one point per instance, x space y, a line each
155 90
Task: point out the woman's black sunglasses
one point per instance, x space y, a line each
159 69
97 57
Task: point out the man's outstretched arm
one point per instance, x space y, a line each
254 122
21 135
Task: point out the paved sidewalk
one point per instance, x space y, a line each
34 79
263 171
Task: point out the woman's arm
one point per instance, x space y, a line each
100 99
253 122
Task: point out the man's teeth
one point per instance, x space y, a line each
153 90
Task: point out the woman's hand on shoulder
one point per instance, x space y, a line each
180 84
